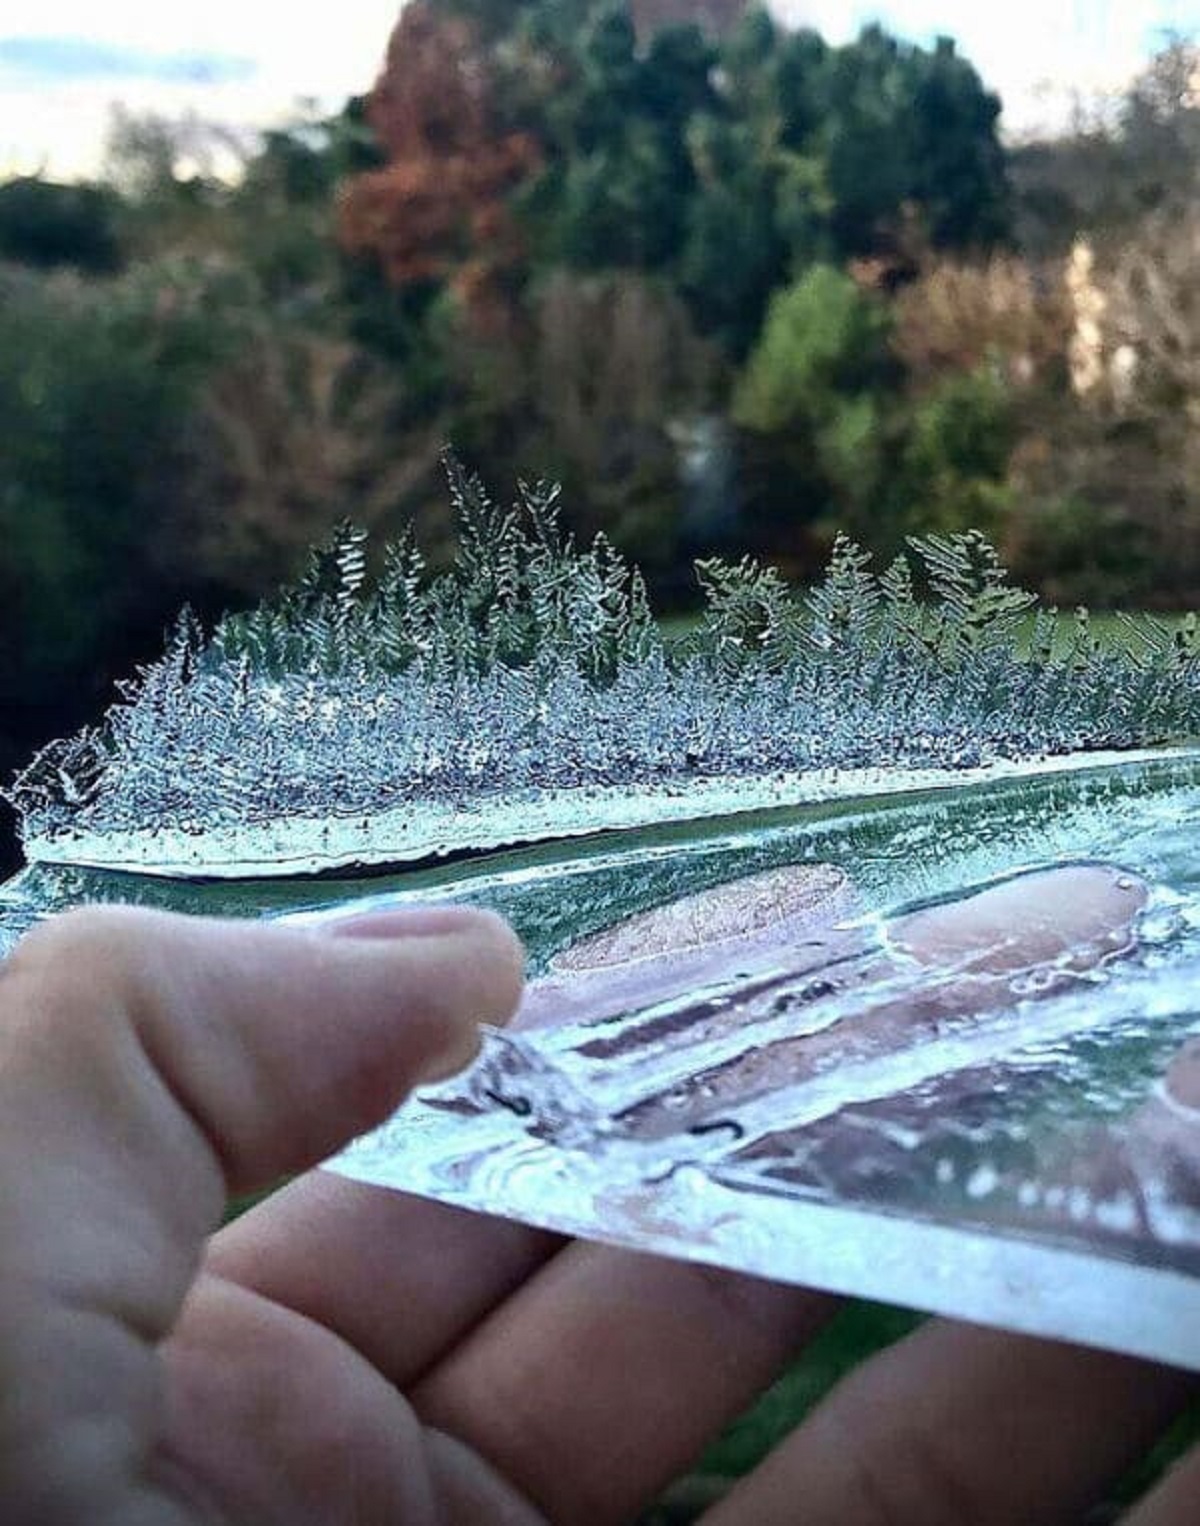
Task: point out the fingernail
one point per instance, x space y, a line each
400 922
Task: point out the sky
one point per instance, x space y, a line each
64 63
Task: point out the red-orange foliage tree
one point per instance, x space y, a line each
437 210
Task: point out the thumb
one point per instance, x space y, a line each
163 1043
151 1064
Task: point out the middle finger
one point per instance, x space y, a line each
606 1375
399 1278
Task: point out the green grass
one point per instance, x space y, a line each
856 1332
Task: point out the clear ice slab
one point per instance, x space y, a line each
984 1103
937 1049
793 1010
528 694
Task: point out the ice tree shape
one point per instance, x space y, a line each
529 692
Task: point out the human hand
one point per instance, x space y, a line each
347 1354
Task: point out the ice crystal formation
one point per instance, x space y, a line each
528 692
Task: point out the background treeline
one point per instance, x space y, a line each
737 288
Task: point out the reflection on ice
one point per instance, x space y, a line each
942 1065
941 1048
796 1017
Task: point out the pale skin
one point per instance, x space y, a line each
343 1354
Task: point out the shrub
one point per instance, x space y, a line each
46 225
96 379
954 465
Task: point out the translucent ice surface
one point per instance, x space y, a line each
864 924
527 694
941 1048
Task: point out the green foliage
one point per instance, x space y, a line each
878 459
735 252
953 468
731 168
95 384
906 127
45 225
959 176
823 339
618 177
818 382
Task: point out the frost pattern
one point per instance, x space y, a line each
532 674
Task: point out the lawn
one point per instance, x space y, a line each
857 1332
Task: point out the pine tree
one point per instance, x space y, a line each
715 16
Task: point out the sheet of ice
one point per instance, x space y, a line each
1016 1145
768 1080
987 1105
528 694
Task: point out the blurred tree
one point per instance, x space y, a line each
46 224
873 149
1004 313
280 213
728 167
96 383
173 178
953 467
618 176
760 211
437 208
816 387
1159 129
905 128
614 366
713 16
291 431
958 175
1117 164
824 339
735 252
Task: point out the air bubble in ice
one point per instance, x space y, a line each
983 1181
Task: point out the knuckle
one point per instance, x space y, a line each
909 1474
83 930
84 958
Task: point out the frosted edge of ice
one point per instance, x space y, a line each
1016 1284
421 830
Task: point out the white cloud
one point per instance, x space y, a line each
322 53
